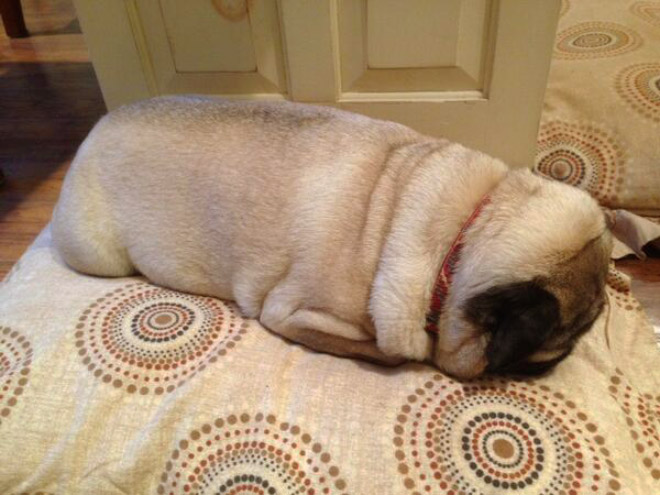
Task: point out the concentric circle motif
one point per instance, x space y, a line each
647 11
15 361
152 340
241 455
639 86
595 39
583 156
619 289
498 436
642 413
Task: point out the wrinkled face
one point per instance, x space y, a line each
531 326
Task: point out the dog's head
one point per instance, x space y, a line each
531 326
530 282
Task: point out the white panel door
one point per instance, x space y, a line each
470 70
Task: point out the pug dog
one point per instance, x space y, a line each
350 235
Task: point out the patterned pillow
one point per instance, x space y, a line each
115 386
600 128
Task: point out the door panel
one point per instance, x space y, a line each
424 34
199 31
473 71
419 45
215 46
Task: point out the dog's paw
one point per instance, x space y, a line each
410 343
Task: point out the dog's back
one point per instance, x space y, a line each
217 197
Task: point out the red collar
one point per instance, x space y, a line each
446 273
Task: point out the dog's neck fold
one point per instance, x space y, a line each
438 196
446 273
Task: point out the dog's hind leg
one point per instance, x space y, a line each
83 228
314 329
323 331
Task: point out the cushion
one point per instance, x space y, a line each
601 116
116 386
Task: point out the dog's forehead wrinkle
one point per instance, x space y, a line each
584 271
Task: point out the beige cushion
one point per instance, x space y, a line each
600 126
115 386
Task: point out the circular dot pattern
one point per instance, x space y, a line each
583 156
639 86
498 437
15 362
250 455
595 40
642 413
647 11
146 339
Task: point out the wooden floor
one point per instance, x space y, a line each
49 100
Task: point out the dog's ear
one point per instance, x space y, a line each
610 217
519 318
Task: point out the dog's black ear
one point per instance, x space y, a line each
519 317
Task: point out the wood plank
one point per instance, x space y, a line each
33 189
26 211
5 267
20 230
11 251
